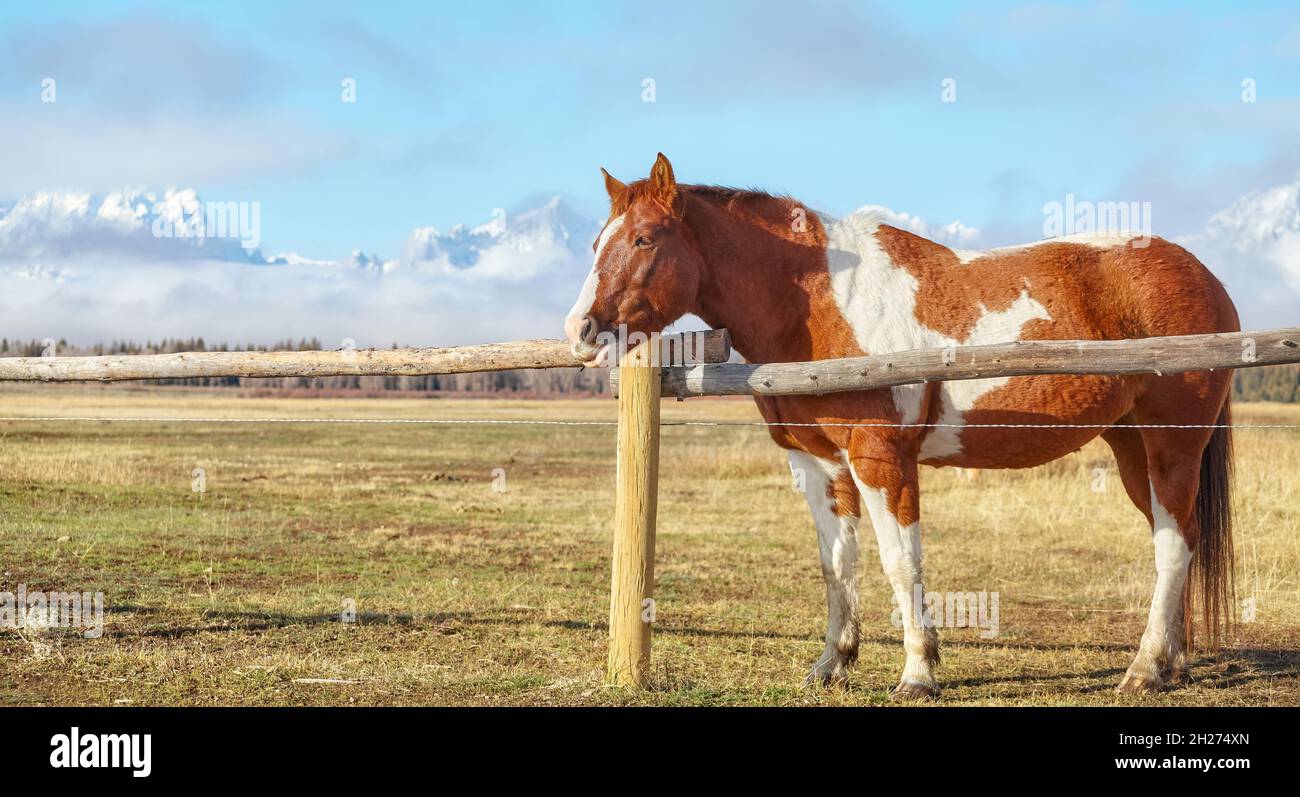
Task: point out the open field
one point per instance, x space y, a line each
468 595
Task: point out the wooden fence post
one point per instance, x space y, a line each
631 604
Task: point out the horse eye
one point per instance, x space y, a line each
642 242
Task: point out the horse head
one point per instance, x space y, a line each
646 271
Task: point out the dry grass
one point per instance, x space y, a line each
469 596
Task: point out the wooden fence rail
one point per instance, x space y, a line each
1165 355
704 347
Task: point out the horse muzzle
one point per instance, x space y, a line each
582 332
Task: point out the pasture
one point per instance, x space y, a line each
467 594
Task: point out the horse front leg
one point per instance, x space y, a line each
887 480
834 513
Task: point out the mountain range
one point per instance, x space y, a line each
140 264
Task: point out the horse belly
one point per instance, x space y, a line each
1021 422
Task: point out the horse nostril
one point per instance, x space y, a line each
588 332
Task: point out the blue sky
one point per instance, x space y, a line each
465 107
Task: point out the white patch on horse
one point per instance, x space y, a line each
878 299
959 397
587 296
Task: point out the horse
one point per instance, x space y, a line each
794 285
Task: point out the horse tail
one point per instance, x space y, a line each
1210 580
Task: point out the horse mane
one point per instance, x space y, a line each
728 197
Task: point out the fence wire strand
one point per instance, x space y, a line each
542 422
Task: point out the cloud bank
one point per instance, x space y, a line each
92 268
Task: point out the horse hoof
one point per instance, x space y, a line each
911 691
1175 674
826 677
1139 684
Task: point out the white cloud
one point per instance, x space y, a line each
246 303
954 233
43 146
140 99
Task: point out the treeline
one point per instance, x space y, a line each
544 382
1271 383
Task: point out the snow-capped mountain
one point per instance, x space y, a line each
1258 218
177 225
151 225
295 259
358 260
1253 245
534 240
130 264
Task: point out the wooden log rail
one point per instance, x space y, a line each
712 346
1160 355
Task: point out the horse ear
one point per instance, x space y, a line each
616 189
662 181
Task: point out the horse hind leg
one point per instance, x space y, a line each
833 503
1174 473
1131 458
1162 655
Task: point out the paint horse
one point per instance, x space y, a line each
791 285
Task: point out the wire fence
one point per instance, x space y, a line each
548 422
